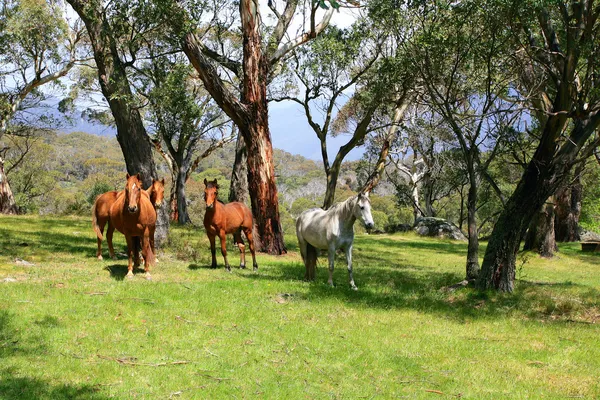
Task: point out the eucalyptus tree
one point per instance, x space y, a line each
255 66
37 47
116 31
188 125
462 60
556 44
339 61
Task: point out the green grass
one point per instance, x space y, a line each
71 327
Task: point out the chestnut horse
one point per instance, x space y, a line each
221 219
101 213
133 215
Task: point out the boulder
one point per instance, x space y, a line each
438 227
588 236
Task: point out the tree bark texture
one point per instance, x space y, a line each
131 133
540 235
7 199
238 189
473 248
250 114
567 211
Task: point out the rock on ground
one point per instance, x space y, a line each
438 227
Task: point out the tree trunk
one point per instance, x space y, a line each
427 194
498 269
567 211
238 189
540 235
131 133
262 188
7 199
251 114
182 212
332 177
473 248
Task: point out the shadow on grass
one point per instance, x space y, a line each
15 243
119 271
16 387
15 384
403 286
195 267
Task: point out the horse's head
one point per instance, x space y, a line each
157 192
211 193
362 210
133 194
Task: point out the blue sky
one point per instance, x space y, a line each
291 132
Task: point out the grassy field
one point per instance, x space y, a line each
72 327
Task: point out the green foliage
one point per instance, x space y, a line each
98 189
590 207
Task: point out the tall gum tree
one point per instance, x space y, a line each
557 44
462 63
249 110
37 47
115 87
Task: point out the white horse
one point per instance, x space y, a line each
332 229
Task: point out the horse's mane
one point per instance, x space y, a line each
345 206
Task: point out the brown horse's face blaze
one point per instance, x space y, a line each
133 190
158 192
211 193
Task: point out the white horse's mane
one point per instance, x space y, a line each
344 207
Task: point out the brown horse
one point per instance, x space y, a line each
221 219
133 215
101 213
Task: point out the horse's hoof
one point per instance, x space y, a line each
113 257
148 276
100 257
353 287
156 260
242 266
228 269
130 275
213 266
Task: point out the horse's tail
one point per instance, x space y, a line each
311 262
255 235
95 225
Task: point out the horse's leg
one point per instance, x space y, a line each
248 233
147 251
349 259
101 229
137 246
223 238
331 257
213 250
302 246
152 230
130 250
237 237
109 235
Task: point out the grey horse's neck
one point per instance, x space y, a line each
345 212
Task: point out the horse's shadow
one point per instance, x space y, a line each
119 271
194 266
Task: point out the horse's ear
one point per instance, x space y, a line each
366 194
128 176
215 183
138 176
162 181
205 182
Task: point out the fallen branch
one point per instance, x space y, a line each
125 361
434 391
